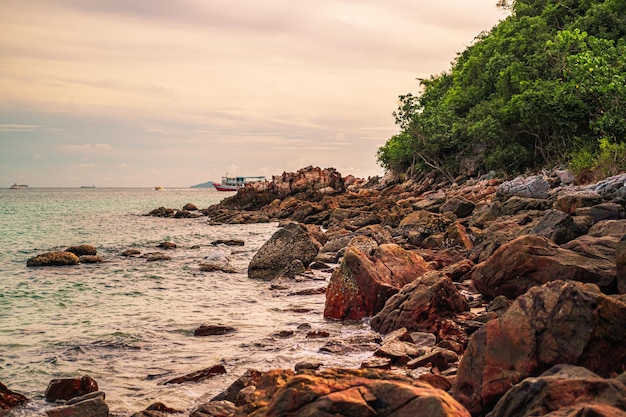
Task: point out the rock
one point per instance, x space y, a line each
604 211
588 410
190 207
214 409
559 322
438 358
557 226
91 259
456 235
167 245
421 305
535 186
53 259
608 187
156 256
362 284
90 405
9 399
277 254
350 393
533 260
517 204
302 365
566 176
82 250
67 388
131 252
213 330
620 260
250 378
162 212
459 206
218 266
398 351
228 242
157 410
198 376
559 387
571 201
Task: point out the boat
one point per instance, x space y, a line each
17 186
158 188
87 186
235 183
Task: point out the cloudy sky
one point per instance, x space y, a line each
178 92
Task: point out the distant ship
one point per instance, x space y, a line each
16 186
87 186
235 183
158 188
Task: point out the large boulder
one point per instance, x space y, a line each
89 405
535 186
363 282
291 242
422 306
534 260
559 387
64 389
9 399
559 322
81 250
54 259
350 393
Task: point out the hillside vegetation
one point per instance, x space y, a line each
545 87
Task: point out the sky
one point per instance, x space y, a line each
138 93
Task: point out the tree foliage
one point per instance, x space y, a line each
543 87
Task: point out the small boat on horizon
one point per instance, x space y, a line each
159 188
17 186
87 186
235 183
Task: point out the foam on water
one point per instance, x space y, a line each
129 323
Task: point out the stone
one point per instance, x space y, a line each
167 245
557 226
162 212
457 235
213 330
571 201
535 186
289 243
588 410
82 250
459 206
67 388
534 260
250 378
229 242
350 393
156 256
198 376
560 322
190 207
620 260
517 204
53 259
10 399
157 409
91 259
91 405
130 252
362 283
217 266
421 305
214 409
559 387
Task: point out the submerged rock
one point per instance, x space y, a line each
200 375
82 250
9 399
54 259
68 388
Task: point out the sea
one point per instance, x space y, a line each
129 323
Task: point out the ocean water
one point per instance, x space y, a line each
129 323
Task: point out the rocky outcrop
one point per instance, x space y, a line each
363 283
89 405
10 399
559 387
559 322
198 376
53 259
81 250
423 305
349 393
291 242
533 260
67 388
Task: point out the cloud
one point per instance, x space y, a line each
87 148
7 127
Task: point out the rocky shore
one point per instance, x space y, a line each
492 297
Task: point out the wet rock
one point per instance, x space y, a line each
190 207
198 376
130 252
214 409
162 212
535 186
89 405
421 305
559 387
250 378
351 393
67 388
213 330
156 256
362 284
82 250
559 322
157 410
533 260
53 259
9 399
91 259
300 366
217 266
228 242
167 245
277 254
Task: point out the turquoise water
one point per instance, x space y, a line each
129 323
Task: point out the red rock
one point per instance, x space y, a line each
200 375
68 388
9 398
362 284
91 405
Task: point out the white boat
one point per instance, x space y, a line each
235 183
17 186
159 188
